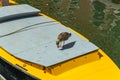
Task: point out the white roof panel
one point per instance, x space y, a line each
15 11
33 39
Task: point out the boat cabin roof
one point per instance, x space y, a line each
17 11
34 38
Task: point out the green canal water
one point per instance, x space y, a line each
98 20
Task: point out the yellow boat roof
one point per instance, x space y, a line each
33 38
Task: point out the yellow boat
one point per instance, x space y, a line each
28 50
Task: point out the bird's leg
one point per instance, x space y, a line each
57 43
63 44
60 44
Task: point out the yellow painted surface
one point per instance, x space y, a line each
0 3
73 63
12 2
87 67
102 69
26 68
92 66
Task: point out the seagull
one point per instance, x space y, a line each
62 37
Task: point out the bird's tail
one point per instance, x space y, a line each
57 43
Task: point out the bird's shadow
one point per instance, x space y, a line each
69 45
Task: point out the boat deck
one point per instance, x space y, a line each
34 38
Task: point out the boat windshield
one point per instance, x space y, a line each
9 72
